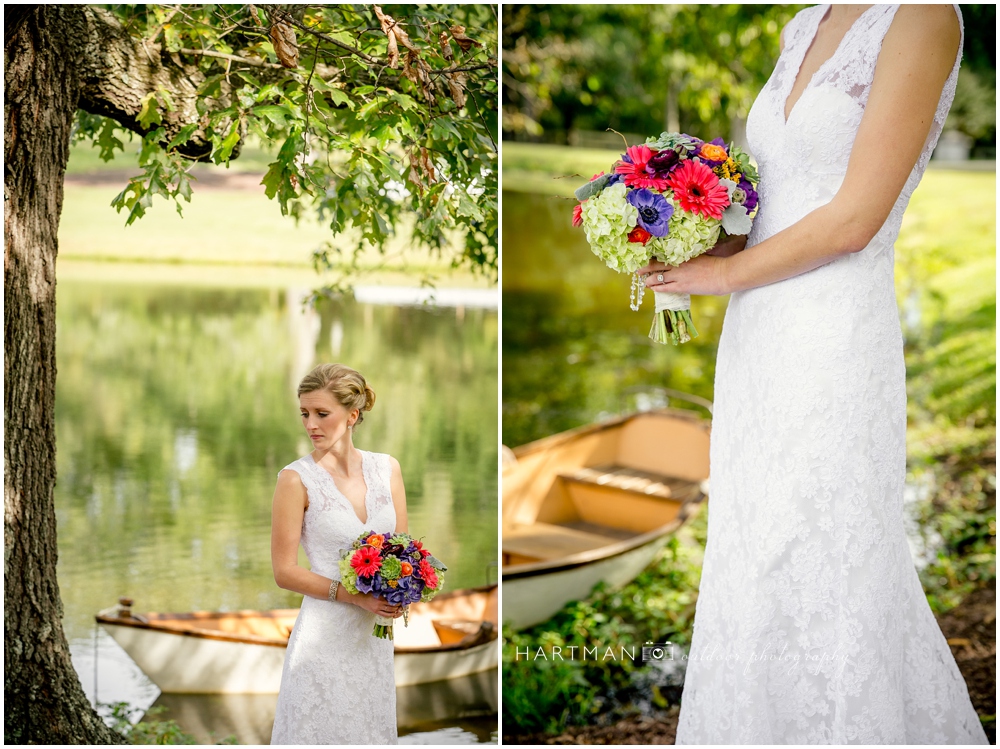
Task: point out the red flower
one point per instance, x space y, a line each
633 168
640 235
366 561
578 214
428 573
697 189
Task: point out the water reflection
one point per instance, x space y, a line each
456 711
176 408
573 351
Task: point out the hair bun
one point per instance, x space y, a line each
369 398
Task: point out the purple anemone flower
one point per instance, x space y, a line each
364 584
662 163
654 211
751 202
614 179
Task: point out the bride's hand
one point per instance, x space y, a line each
705 275
379 606
728 246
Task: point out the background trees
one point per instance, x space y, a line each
646 68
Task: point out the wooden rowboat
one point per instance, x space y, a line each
242 652
596 504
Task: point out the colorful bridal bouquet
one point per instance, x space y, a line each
395 567
671 199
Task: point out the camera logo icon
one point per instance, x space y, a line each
657 651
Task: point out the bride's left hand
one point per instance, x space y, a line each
705 275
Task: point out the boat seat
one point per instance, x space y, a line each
634 480
550 541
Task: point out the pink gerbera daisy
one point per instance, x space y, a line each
697 189
366 561
428 573
578 214
633 169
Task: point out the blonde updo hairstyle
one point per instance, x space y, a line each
346 385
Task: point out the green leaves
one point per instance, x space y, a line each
342 126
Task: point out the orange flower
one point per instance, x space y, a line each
375 540
712 152
407 569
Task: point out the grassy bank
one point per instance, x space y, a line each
230 234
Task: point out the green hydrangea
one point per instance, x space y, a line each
607 220
689 236
348 577
391 568
427 594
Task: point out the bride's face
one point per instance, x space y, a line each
325 420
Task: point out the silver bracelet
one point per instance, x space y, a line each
334 584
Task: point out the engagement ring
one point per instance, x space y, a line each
660 278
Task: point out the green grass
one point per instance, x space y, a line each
84 158
228 236
552 170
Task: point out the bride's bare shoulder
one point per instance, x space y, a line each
932 29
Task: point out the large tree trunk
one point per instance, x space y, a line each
58 58
43 699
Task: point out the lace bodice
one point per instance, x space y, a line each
330 523
811 626
803 160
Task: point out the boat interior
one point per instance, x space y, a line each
587 491
460 618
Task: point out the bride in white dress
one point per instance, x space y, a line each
811 625
337 684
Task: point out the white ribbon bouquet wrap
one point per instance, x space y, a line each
669 199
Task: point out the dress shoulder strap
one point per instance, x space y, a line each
306 469
379 477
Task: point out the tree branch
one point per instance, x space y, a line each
232 58
117 71
489 64
330 40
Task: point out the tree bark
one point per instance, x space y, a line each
58 58
43 699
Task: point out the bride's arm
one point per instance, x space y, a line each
916 58
287 511
398 497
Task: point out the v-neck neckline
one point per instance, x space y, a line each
364 477
812 78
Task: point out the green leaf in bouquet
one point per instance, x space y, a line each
679 142
592 188
436 563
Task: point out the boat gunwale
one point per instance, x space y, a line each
251 639
559 438
592 556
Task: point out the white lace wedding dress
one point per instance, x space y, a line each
337 684
811 625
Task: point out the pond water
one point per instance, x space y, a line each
176 408
573 350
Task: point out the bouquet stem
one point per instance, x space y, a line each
672 321
383 628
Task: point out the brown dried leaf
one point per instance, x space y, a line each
393 50
465 42
456 86
427 166
283 38
388 23
445 43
